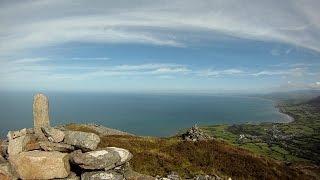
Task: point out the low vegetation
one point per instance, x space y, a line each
160 156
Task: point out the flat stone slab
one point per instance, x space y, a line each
53 135
41 165
85 141
124 154
95 160
99 175
50 146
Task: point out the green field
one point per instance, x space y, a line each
295 141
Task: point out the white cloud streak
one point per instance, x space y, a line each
33 24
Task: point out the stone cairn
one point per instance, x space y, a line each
195 134
45 152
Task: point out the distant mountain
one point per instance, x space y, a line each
295 97
315 102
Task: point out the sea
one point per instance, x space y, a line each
148 114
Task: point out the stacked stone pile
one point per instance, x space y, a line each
195 134
44 152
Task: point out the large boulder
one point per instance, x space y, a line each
53 135
98 175
41 165
124 154
101 159
50 146
85 141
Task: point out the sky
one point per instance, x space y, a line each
164 45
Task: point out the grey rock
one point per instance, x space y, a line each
41 165
124 154
130 174
102 175
53 135
6 172
2 159
207 177
15 134
85 141
40 113
50 146
20 144
4 148
174 176
100 159
72 176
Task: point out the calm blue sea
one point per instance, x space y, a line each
142 114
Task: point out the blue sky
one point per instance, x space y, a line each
210 46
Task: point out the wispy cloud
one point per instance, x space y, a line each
217 73
38 25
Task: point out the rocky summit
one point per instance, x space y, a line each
45 152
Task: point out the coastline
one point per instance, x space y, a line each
282 111
279 107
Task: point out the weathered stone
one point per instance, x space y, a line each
102 159
4 148
40 113
53 135
72 176
6 172
32 144
124 154
2 159
41 165
85 141
15 134
19 144
50 146
99 175
133 175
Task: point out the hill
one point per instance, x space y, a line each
160 156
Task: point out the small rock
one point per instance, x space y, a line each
15 134
2 159
207 177
41 165
6 172
50 146
53 135
85 141
72 176
19 144
4 148
124 154
101 159
99 175
133 175
174 176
